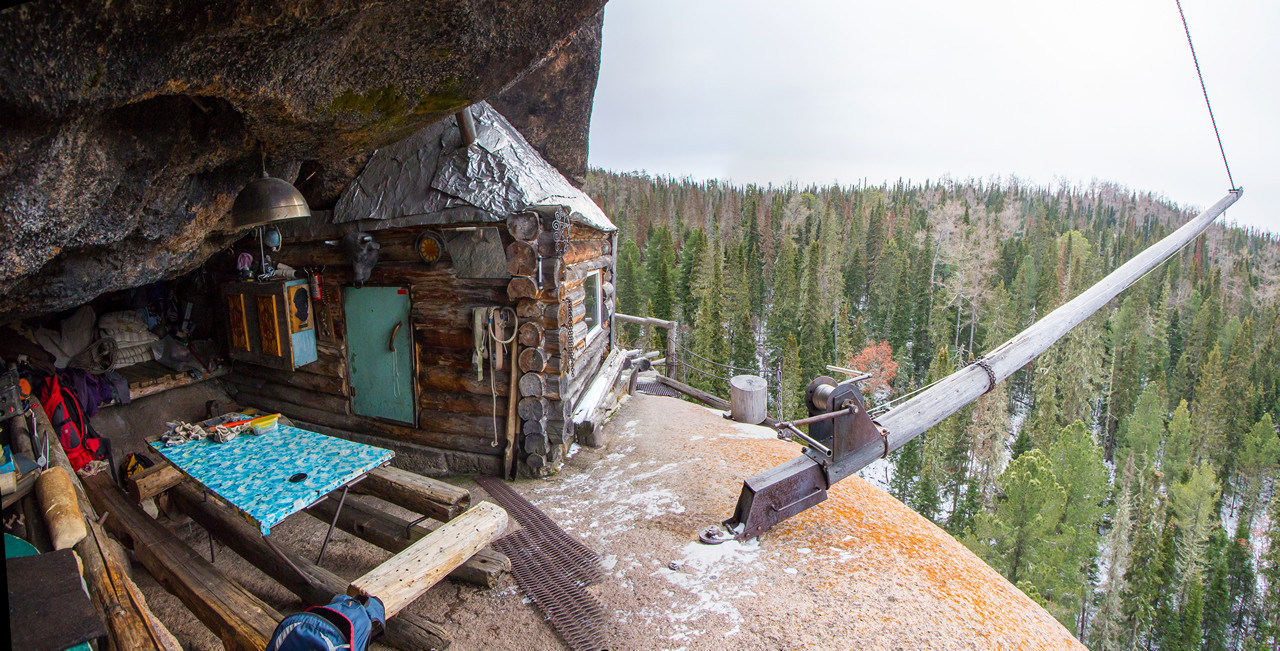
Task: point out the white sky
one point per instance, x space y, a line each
755 91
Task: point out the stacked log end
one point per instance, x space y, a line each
555 361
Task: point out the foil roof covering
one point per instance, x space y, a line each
430 172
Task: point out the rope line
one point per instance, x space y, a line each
728 366
1205 91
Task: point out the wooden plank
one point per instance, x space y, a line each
48 609
588 415
174 381
154 480
240 619
302 379
362 519
313 584
129 619
416 493
410 573
324 401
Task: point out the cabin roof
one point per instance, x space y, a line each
431 178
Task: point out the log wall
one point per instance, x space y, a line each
557 354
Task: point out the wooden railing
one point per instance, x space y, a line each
672 360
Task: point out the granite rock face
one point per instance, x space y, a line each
126 129
551 104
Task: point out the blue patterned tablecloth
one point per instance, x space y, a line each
252 472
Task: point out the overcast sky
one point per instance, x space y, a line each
755 91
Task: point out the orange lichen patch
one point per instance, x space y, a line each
881 540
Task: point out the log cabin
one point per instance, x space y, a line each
485 318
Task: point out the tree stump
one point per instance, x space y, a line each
748 399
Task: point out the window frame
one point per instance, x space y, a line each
599 300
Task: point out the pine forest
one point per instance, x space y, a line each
1126 479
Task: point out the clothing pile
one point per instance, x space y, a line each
181 432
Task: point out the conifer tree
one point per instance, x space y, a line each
1019 537
793 384
709 340
1241 584
1145 582
1217 600
659 260
692 254
1268 619
630 287
1194 514
1142 432
1178 444
1259 454
815 330
1109 632
1077 463
1209 411
785 306
989 434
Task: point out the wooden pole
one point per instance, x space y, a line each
407 575
931 406
130 621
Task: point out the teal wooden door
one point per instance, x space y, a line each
380 352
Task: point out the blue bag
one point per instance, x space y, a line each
344 623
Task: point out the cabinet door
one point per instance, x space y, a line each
380 352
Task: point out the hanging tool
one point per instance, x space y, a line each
499 316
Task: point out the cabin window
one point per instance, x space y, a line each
592 303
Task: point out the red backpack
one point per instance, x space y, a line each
63 409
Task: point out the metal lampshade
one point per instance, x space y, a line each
265 200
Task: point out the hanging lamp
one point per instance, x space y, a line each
267 199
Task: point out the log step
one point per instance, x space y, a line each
363 519
407 575
440 500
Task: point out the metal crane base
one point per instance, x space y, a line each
776 494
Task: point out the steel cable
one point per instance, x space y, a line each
1205 91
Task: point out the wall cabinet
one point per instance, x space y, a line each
270 323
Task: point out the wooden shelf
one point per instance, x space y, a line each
150 378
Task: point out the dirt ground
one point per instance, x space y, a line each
858 571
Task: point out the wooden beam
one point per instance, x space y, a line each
173 382
240 619
587 415
153 481
410 573
363 520
129 620
313 584
705 398
416 493
644 320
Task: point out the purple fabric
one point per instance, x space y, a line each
91 390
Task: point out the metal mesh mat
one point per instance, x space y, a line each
552 568
654 388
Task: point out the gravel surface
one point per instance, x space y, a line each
860 570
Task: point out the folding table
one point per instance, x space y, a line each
268 477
